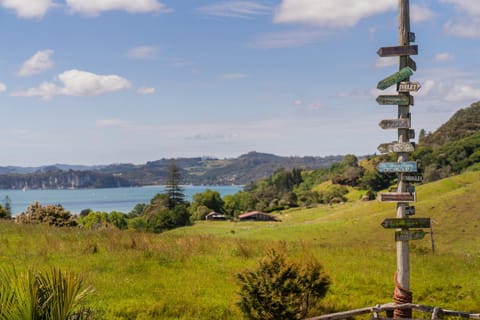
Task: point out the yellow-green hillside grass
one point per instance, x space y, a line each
189 273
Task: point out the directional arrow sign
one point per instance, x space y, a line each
405 235
411 134
394 100
410 210
398 51
397 197
412 64
409 86
412 178
397 223
395 124
396 147
408 166
395 78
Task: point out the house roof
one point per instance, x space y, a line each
253 213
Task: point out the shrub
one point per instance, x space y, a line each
54 215
281 289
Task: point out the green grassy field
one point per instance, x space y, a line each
189 273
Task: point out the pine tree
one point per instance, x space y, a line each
173 186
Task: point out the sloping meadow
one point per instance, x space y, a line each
190 273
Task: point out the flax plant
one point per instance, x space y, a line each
31 295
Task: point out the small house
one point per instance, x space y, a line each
256 216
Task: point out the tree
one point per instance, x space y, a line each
173 186
7 205
281 289
210 199
54 215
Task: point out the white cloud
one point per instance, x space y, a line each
146 90
236 9
77 83
463 93
330 13
143 52
420 14
467 24
232 76
38 63
287 39
95 7
464 28
468 6
3 87
28 8
443 56
386 62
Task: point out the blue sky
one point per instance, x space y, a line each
110 81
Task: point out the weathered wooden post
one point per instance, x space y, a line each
403 167
402 292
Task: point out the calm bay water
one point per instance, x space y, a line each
108 199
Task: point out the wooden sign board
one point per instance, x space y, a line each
411 134
395 78
397 197
412 178
398 51
406 86
406 235
411 37
395 124
408 166
406 223
412 64
410 210
396 147
394 100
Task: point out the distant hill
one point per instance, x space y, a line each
199 170
462 124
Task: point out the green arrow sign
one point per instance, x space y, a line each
405 235
394 100
408 166
405 223
395 78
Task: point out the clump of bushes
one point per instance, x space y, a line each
281 288
54 215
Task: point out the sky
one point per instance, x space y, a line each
130 81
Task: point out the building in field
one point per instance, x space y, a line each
256 216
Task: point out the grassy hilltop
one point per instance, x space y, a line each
189 273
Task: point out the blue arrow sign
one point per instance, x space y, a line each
409 166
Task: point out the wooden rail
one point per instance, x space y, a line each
437 313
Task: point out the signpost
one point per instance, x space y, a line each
395 123
406 223
409 86
410 211
412 178
396 147
398 51
398 197
395 78
394 100
405 235
389 167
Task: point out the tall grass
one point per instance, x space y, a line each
189 273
